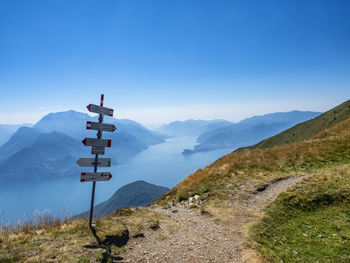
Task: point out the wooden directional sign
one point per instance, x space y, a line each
97 142
98 150
100 110
90 162
90 125
93 177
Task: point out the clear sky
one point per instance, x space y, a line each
158 61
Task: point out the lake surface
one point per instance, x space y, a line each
162 164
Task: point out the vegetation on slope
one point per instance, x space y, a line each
310 222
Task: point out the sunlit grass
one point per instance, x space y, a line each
310 223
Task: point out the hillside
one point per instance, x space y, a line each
249 131
223 213
139 193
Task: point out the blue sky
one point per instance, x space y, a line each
157 61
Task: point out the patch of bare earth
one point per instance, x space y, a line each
216 234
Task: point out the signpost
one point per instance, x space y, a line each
98 147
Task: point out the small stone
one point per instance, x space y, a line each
305 235
321 236
196 197
166 207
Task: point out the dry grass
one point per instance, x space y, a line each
39 220
72 241
341 129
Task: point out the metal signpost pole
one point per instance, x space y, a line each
99 136
98 147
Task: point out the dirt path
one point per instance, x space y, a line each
187 235
270 193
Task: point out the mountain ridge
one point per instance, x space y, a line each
22 155
249 131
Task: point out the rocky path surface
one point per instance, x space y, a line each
195 238
187 235
270 193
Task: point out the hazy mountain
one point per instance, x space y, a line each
22 138
129 138
71 123
250 131
6 131
51 148
137 130
49 156
192 127
139 193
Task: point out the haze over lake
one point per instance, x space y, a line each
162 164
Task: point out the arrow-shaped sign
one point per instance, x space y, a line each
90 162
100 110
97 142
93 177
90 125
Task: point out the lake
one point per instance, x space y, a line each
162 164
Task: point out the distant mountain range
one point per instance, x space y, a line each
52 146
192 127
6 131
249 131
139 193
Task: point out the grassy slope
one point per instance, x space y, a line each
309 128
310 223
